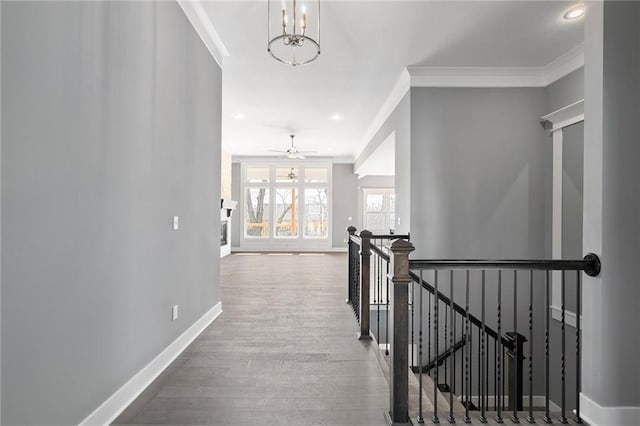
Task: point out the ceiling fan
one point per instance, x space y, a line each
293 152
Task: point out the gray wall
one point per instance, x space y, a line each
478 164
479 157
400 122
612 199
236 221
111 117
569 89
345 202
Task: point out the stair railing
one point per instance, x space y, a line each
480 275
368 281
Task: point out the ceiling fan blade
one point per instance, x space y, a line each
276 150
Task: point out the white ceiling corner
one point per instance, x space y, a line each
201 22
363 73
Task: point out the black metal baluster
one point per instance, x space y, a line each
435 419
578 355
481 366
530 418
486 369
452 380
386 315
413 303
379 300
420 362
514 416
495 375
547 417
479 398
467 351
429 333
499 378
446 358
563 418
503 377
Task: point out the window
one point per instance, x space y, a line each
316 222
257 213
287 205
286 220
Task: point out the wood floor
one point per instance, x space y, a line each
283 352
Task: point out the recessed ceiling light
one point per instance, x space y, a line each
575 12
239 116
336 117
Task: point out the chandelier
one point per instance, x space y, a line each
293 46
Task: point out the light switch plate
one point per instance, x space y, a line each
174 313
176 223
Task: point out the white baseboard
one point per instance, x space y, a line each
123 397
538 401
595 414
289 250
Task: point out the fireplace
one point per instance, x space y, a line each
226 210
224 229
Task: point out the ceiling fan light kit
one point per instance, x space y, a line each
293 46
293 152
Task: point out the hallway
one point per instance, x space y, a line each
284 351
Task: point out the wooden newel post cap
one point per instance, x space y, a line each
402 246
351 230
366 234
400 250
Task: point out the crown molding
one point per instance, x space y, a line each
498 76
564 65
415 76
201 22
400 88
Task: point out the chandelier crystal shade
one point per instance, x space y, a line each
293 45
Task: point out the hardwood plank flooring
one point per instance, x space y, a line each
283 352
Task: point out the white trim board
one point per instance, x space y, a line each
595 414
415 76
116 403
555 122
498 76
538 401
201 22
569 316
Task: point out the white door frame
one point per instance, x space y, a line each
556 122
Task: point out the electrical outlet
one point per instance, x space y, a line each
174 313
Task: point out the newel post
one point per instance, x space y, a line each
365 284
515 358
399 335
351 230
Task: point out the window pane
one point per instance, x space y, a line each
316 223
257 213
286 216
287 174
257 174
315 174
375 203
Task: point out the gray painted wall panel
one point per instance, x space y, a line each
619 342
112 126
345 202
236 221
400 122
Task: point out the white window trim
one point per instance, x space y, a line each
556 122
299 243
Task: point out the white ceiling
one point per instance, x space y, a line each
365 47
